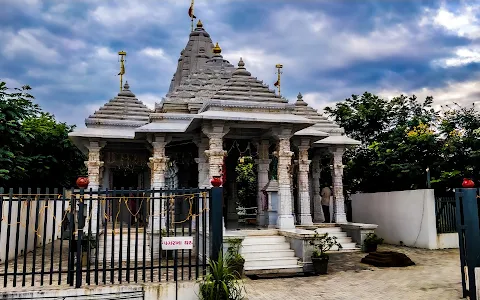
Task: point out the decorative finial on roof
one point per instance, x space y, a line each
217 49
241 70
300 101
126 91
199 24
241 64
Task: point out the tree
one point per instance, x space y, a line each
246 181
34 148
400 141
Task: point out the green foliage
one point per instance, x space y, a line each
34 148
246 181
220 283
234 259
372 239
322 243
402 138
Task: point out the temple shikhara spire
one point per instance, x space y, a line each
214 113
122 55
279 72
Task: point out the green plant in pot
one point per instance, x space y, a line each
321 244
371 242
220 283
234 259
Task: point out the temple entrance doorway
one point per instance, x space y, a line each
240 186
128 203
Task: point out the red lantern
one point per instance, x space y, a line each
82 182
468 183
216 181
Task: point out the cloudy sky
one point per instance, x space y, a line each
67 49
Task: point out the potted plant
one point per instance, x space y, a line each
220 283
371 242
321 244
235 260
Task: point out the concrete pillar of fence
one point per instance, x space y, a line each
216 228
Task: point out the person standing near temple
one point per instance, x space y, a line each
326 193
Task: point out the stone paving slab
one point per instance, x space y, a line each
436 275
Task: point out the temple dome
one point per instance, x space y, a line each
124 109
243 86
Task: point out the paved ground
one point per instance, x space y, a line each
436 275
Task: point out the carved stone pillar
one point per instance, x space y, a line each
339 214
203 180
263 164
285 218
202 161
304 216
318 216
215 132
95 171
158 166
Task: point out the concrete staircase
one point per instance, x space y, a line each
269 253
344 240
126 238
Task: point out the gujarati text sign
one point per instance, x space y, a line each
177 242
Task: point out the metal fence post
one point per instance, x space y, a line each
81 224
469 237
216 224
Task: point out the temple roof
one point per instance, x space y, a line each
322 123
123 110
244 87
195 54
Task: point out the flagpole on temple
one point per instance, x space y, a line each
279 73
122 55
191 15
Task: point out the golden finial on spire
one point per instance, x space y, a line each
122 55
199 24
279 72
217 49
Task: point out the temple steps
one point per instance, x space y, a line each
269 254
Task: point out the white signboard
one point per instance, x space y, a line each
177 242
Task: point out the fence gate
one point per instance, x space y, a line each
468 227
87 237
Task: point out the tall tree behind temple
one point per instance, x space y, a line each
34 148
401 138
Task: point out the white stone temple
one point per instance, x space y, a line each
210 107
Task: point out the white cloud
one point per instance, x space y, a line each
464 22
462 93
463 56
30 43
149 99
157 53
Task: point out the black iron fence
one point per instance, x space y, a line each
445 214
468 227
98 237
